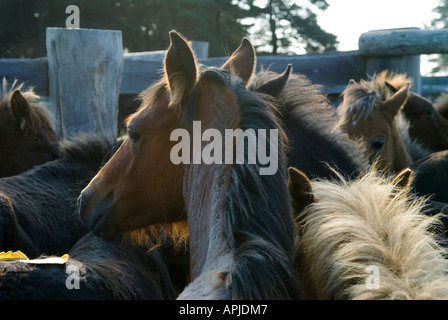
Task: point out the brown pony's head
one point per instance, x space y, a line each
366 114
26 130
423 122
140 185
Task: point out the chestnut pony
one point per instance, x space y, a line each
370 115
241 232
423 128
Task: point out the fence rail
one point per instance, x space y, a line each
332 70
396 50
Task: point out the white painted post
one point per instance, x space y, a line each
84 72
394 50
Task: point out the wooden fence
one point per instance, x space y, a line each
85 70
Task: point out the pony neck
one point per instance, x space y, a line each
205 189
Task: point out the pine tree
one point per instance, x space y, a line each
441 22
286 25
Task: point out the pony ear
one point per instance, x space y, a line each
242 62
274 86
300 189
20 109
403 179
391 87
180 68
393 105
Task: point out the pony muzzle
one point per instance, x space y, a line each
96 213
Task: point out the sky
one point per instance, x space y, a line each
348 19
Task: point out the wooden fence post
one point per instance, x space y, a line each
84 72
200 49
390 50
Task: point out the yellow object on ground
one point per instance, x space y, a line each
12 256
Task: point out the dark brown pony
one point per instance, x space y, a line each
423 128
241 233
26 129
38 207
97 269
309 121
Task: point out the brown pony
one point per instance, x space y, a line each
369 115
367 239
26 130
423 128
241 233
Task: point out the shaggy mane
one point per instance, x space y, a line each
359 100
370 222
304 102
87 146
259 215
258 223
300 98
397 80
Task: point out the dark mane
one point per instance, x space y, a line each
262 239
257 206
310 122
88 147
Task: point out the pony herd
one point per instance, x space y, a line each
354 210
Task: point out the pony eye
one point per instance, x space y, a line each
377 145
134 136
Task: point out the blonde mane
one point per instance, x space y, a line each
361 98
43 114
397 80
354 225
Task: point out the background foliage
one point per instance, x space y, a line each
280 26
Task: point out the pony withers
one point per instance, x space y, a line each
368 238
241 234
26 128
